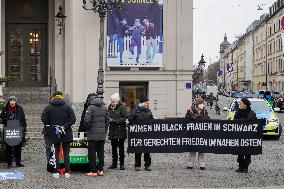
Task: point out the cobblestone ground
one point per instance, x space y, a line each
168 171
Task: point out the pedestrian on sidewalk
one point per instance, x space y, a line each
244 112
13 111
97 123
59 117
197 112
141 114
117 130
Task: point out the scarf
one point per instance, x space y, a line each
12 109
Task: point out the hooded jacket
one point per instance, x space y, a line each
58 113
96 120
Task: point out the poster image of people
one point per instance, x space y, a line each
135 34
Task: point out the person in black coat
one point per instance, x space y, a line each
139 115
117 130
13 111
244 112
82 127
59 116
97 123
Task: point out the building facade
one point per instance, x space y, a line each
37 54
257 56
274 47
260 57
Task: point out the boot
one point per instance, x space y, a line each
113 166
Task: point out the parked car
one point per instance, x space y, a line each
263 111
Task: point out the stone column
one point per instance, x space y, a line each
59 52
81 51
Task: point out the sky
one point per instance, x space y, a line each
213 18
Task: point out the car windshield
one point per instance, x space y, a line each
256 106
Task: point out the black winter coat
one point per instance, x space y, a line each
117 129
58 113
192 113
20 115
140 115
96 120
245 114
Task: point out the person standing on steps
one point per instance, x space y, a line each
13 111
139 115
60 117
117 130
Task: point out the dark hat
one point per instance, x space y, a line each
143 99
246 102
12 98
199 100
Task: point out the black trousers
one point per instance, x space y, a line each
96 148
15 151
66 151
147 159
117 143
244 161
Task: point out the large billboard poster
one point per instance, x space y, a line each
135 34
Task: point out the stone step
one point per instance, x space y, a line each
34 135
37 133
40 125
33 119
33 112
26 90
30 100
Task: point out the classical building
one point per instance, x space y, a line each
275 61
39 54
260 55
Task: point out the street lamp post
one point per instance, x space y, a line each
101 7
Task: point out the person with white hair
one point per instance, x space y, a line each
117 130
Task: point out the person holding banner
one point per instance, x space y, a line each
244 112
58 118
13 111
139 115
97 123
197 111
117 130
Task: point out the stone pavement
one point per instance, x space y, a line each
168 171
